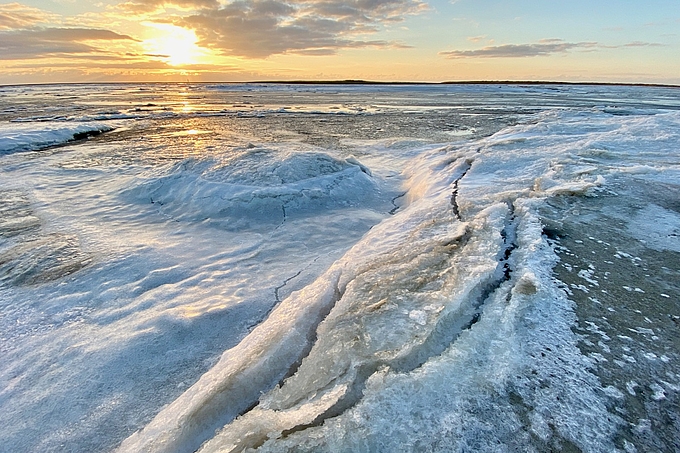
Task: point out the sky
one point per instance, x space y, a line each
619 41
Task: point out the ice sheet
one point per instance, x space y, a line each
292 280
407 300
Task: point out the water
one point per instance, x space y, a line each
339 268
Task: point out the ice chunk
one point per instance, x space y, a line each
26 137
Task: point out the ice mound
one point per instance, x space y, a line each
412 279
255 186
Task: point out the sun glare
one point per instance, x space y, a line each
174 45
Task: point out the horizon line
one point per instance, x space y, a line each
359 82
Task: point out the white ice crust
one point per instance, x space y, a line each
438 328
256 186
25 137
385 372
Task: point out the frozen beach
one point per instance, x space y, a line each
343 268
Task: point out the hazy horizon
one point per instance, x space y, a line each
354 82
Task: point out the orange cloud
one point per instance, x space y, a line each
51 42
16 15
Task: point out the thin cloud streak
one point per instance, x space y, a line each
643 44
518 50
544 47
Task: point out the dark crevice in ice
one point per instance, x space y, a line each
161 204
454 194
312 335
394 203
86 134
76 138
251 400
354 394
450 326
445 333
509 235
285 282
284 215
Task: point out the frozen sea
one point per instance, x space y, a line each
339 268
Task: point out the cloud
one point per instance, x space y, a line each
542 48
476 38
51 42
16 15
260 28
642 44
149 6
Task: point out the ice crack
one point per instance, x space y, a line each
285 282
454 194
396 206
449 328
445 333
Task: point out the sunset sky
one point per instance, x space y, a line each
386 40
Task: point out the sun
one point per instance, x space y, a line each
174 45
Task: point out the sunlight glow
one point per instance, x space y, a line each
174 45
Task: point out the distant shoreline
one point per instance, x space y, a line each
464 82
361 82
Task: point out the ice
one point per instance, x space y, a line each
613 392
255 186
658 227
441 251
321 267
389 252
384 419
659 392
41 260
26 137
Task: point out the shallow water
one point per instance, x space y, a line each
339 268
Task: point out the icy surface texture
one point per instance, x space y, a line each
339 268
26 137
446 310
255 186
